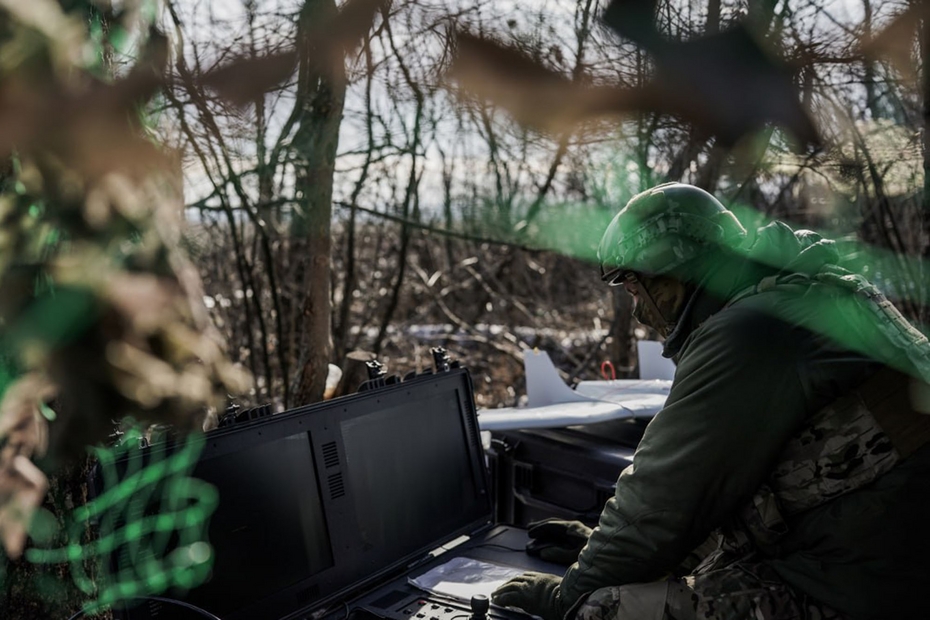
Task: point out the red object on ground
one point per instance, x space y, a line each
605 365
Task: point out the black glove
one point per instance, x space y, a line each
557 540
534 593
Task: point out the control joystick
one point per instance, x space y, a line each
479 607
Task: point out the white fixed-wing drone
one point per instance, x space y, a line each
551 403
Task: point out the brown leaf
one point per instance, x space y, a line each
726 84
479 57
82 122
729 86
895 43
146 300
22 488
533 94
90 131
23 428
244 79
354 20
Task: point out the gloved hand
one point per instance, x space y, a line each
534 593
557 540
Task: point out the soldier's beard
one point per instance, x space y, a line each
669 296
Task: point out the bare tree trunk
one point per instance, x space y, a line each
713 17
924 310
411 199
623 348
350 277
321 90
266 211
868 78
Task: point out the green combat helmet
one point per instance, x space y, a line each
663 228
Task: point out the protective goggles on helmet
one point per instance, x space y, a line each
617 276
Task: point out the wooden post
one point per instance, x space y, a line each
354 372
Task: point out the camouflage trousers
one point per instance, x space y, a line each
740 591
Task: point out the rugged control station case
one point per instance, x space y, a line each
325 511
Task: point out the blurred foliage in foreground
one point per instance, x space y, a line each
151 519
101 313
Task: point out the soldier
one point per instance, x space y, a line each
791 435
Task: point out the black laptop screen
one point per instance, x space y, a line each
269 530
410 473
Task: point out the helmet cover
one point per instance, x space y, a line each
663 228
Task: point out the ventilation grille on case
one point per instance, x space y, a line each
330 454
471 427
308 594
337 487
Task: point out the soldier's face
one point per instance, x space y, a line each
668 295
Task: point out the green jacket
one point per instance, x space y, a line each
748 376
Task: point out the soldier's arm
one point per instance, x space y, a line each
737 397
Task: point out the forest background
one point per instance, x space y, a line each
442 221
208 202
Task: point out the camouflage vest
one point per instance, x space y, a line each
847 444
